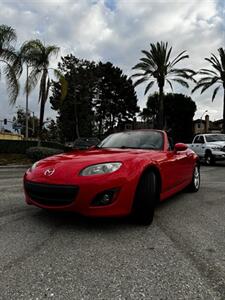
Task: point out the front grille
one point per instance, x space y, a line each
51 194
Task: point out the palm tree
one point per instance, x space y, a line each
156 66
216 76
37 57
9 63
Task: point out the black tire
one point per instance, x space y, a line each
195 183
145 198
209 159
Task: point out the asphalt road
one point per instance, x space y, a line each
63 256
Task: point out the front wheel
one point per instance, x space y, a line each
209 159
145 198
195 183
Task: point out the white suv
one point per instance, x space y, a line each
210 147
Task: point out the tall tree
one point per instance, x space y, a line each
99 97
116 100
9 62
179 112
158 67
76 116
38 57
212 77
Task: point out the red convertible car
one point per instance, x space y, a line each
127 173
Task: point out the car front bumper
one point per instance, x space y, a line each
218 155
79 195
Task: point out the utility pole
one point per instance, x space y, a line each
26 133
33 123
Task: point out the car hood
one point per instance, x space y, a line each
73 162
217 143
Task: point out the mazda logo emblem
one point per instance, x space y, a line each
49 172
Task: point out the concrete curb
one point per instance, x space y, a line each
11 166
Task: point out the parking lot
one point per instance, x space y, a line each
64 256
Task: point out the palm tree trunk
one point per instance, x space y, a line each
224 109
161 108
42 105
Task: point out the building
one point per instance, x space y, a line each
207 126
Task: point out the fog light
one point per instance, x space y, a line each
105 198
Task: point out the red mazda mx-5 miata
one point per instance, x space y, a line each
127 173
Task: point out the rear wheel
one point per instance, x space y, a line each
209 159
195 183
145 198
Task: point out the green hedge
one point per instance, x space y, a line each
11 146
37 153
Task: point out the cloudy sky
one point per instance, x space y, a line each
116 31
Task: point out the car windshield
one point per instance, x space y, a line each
215 138
134 139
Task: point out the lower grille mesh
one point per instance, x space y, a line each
51 194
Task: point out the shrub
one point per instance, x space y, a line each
37 153
13 146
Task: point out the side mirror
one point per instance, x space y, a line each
180 147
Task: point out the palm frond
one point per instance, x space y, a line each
215 66
170 84
139 81
33 79
222 57
207 72
179 57
141 65
209 84
215 92
7 36
150 84
184 70
12 83
198 86
138 75
52 50
168 55
205 79
181 82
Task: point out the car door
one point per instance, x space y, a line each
173 168
202 146
196 144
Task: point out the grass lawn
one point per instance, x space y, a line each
17 159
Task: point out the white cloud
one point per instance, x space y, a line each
117 32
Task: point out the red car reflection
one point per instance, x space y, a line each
127 173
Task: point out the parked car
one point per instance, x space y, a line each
127 173
210 147
85 142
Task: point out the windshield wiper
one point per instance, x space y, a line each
127 147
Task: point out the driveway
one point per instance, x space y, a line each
64 256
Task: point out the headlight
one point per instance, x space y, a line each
217 148
101 169
34 166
